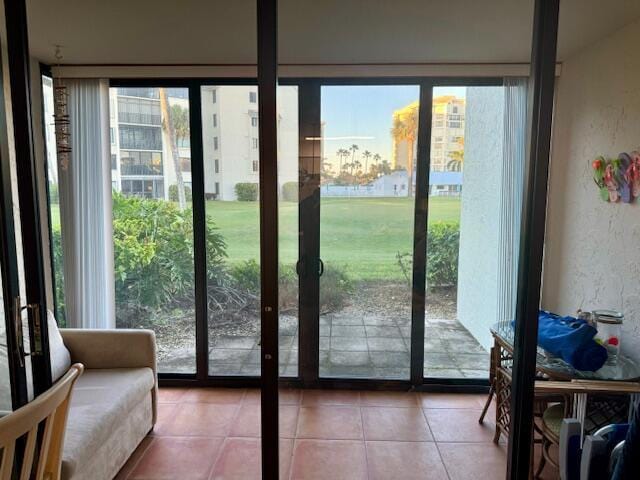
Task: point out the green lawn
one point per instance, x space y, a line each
361 234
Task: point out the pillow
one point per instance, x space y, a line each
60 357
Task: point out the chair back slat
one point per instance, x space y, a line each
52 408
29 452
7 461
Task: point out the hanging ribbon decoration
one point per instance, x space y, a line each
61 118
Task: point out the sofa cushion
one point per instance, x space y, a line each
60 358
101 401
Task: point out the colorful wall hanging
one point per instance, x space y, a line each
618 179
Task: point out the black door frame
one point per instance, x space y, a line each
31 231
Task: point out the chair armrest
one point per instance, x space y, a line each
114 349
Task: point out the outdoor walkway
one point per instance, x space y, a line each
361 346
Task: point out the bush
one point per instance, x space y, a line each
335 285
153 256
246 192
58 274
443 244
173 193
54 195
290 192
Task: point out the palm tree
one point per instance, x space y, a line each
377 158
342 153
175 123
405 128
367 155
354 149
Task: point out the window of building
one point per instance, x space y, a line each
254 142
216 166
215 143
114 161
254 165
139 137
140 163
254 121
185 164
143 188
215 119
214 96
253 97
437 139
455 109
455 125
217 188
139 110
112 137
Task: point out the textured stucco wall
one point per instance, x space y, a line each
592 255
477 264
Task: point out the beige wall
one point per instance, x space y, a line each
592 256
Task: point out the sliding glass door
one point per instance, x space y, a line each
367 185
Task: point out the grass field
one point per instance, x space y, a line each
362 235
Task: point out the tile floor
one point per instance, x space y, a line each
214 434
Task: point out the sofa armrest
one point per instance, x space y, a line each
97 349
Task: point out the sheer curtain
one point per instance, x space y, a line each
511 193
85 208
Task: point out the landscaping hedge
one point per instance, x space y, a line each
246 192
290 192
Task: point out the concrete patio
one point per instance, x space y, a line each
360 346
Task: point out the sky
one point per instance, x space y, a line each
365 112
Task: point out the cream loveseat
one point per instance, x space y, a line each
114 403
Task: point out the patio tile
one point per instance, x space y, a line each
458 425
201 419
329 459
438 360
288 325
386 344
228 355
401 424
330 422
404 461
330 397
388 399
377 321
405 331
472 361
224 368
325 343
468 373
286 340
234 342
346 371
168 458
325 330
289 371
357 344
391 373
345 320
435 345
386 332
357 359
442 372
390 359
347 331
464 460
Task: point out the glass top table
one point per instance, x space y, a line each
557 369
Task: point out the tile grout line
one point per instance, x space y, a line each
364 440
444 465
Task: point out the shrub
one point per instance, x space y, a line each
58 273
443 243
54 195
290 192
246 192
335 285
153 256
173 193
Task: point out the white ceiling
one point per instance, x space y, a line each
310 31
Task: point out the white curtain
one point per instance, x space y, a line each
511 193
85 208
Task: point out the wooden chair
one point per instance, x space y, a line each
51 409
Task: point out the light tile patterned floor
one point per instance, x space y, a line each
214 434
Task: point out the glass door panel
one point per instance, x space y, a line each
231 179
153 219
369 138
463 232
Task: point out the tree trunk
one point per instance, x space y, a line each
410 168
170 130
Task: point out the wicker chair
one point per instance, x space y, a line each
49 409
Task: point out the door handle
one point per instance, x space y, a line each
320 267
36 349
300 267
